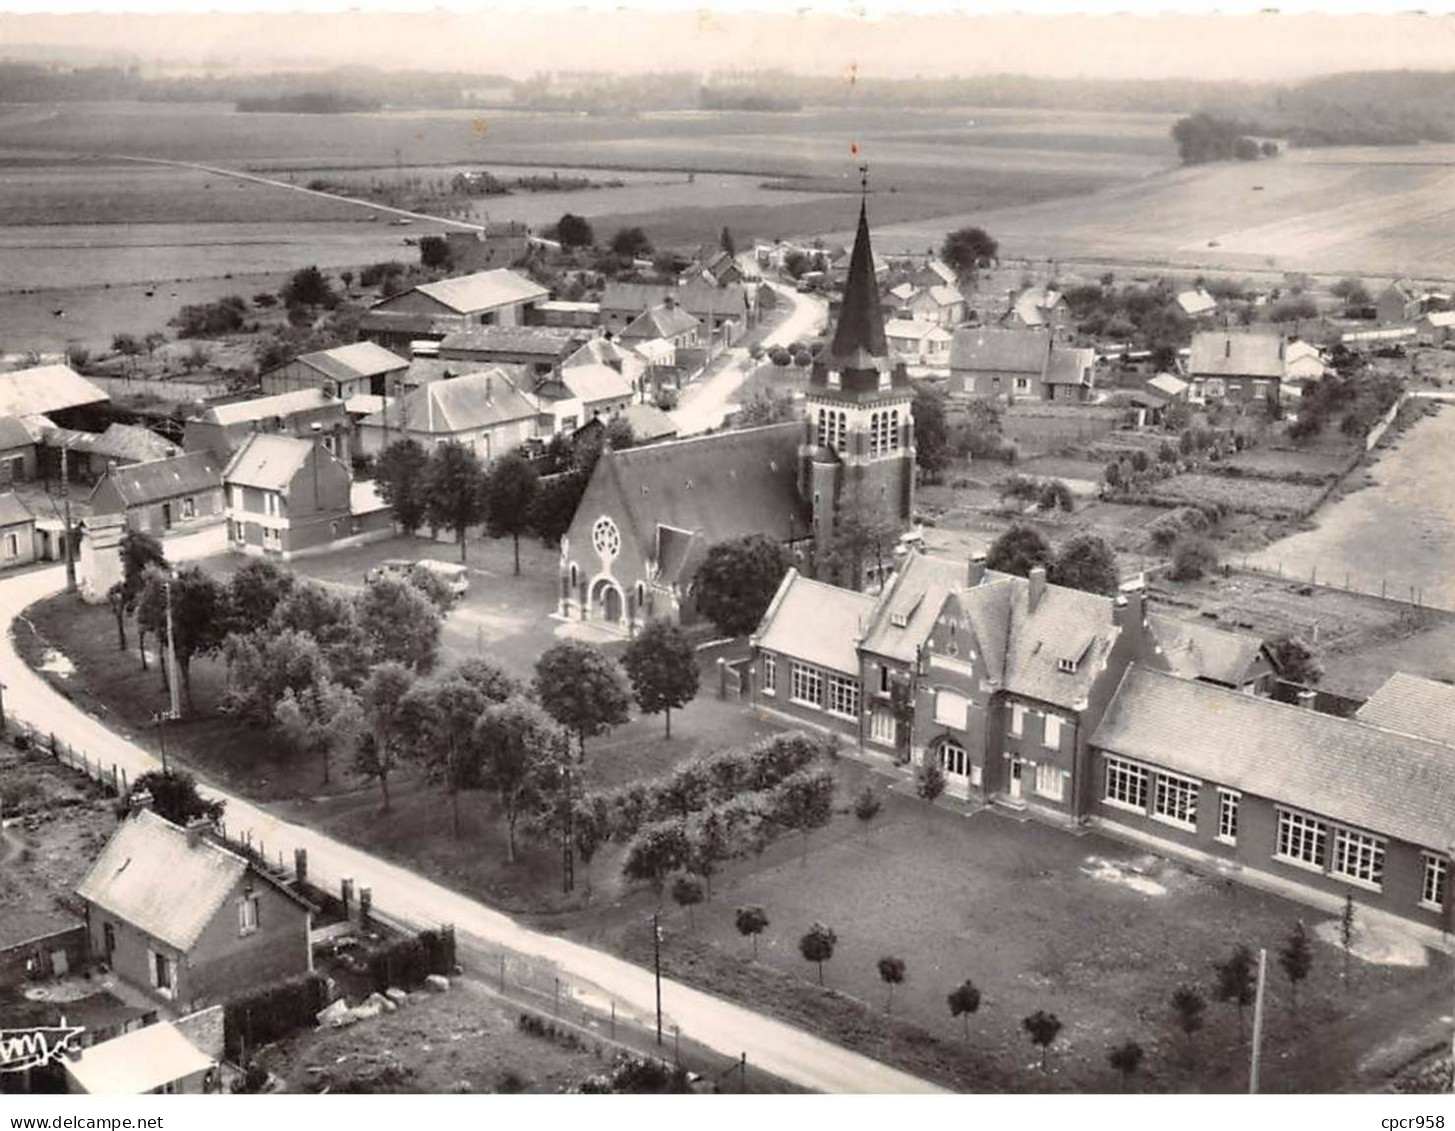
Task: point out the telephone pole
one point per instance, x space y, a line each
173 691
657 964
66 518
1257 1025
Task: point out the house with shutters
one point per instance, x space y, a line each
187 921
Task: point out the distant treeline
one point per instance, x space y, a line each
1202 138
311 102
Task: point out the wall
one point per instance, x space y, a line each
224 964
26 456
130 959
15 959
25 550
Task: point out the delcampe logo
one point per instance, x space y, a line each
30 1048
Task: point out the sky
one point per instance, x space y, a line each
908 39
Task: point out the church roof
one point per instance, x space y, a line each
859 337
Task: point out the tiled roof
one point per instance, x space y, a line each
915 330
280 404
1032 304
149 876
603 351
460 404
123 442
816 623
13 510
1168 384
943 271
268 461
351 362
1343 769
1220 354
45 388
648 423
661 322
14 433
981 348
698 297
592 384
1196 302
1069 366
1413 705
1199 651
858 338
484 290
946 295
1441 318
911 596
541 340
159 479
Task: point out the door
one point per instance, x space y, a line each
109 936
1015 779
166 516
60 964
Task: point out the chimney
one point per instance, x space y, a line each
1038 588
975 569
197 827
1306 697
1228 346
141 800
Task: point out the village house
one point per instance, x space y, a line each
362 368
627 361
1436 327
17 532
919 343
309 412
723 312
1005 363
431 311
486 412
578 395
502 243
155 1059
943 305
1228 659
187 921
1398 302
17 451
55 391
540 349
89 454
177 500
1197 303
933 273
1039 308
1238 367
667 323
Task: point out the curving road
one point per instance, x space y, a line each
777 1048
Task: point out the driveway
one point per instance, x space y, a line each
596 977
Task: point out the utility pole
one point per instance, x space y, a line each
657 964
4 726
66 518
1257 1024
173 691
161 717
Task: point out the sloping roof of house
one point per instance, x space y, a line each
1169 384
698 297
364 497
1200 651
13 510
1069 366
352 362
648 423
542 341
945 294
279 404
1298 349
421 324
603 351
999 348
484 290
1441 318
268 461
151 877
137 1062
1411 704
592 384
1033 303
944 271
903 291
916 330
1196 302
460 404
45 388
128 443
915 595
159 479
1223 354
1344 769
14 433
661 321
816 623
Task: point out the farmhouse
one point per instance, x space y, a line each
309 412
485 411
431 311
189 922
1437 327
666 322
172 499
580 394
602 351
539 348
1243 367
1004 363
919 343
17 532
89 454
1214 655
1039 308
362 368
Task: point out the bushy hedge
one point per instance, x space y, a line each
272 1013
408 961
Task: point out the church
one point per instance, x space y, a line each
649 515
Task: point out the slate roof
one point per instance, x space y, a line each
1069 366
279 404
911 595
14 434
460 404
1441 318
1221 354
1032 304
914 329
943 270
268 461
816 623
129 443
484 290
45 388
982 348
944 294
159 479
1413 705
697 297
149 876
603 351
1346 770
1200 651
592 384
13 510
137 1062
351 362
858 338
661 321
543 341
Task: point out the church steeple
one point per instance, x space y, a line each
859 337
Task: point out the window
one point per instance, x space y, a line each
1260 389
884 679
237 497
1301 839
166 516
606 538
108 935
1176 800
1214 387
1126 784
1023 384
1358 857
163 972
12 545
807 686
272 538
641 593
1436 882
1227 816
951 709
273 504
874 435
1065 665
883 727
1052 738
953 759
769 682
247 915
189 507
1017 719
843 696
1049 780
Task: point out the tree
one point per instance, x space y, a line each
574 231
490 679
399 475
1353 291
1043 1028
817 946
803 801
254 592
1087 563
308 287
658 850
175 797
1236 982
967 250
726 241
931 780
1192 556
662 668
631 243
434 252
116 601
931 433
1054 494
1296 958
381 750
865 535
1346 932
1188 1009
264 666
325 719
867 806
581 689
555 506
400 623
454 490
751 922
737 581
510 490
141 554
1113 474
1019 550
688 892
432 587
442 716
964 1000
763 408
891 973
329 620
1295 660
198 607
522 752
1126 1059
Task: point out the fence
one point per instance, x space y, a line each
1377 432
1409 596
123 387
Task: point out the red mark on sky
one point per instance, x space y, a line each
854 148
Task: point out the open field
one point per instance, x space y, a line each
1399 532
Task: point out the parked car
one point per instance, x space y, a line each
456 576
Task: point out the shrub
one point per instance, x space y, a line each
1192 558
269 1014
1055 495
407 962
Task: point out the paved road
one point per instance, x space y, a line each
706 402
777 1048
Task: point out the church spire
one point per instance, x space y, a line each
859 336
